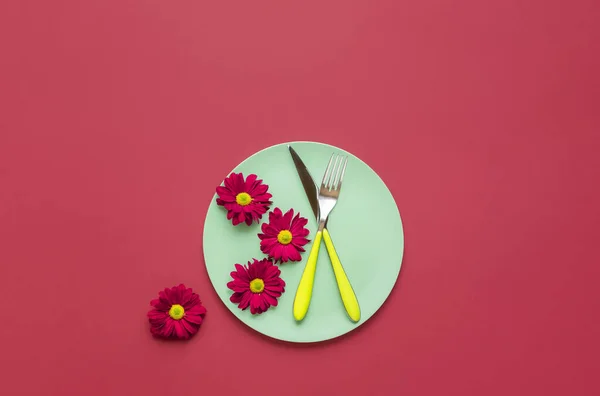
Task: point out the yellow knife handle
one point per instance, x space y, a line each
305 287
346 292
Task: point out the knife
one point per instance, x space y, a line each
310 188
304 292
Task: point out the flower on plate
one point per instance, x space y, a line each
283 236
245 200
177 313
256 285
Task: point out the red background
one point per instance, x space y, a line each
118 119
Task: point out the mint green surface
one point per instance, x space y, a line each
365 227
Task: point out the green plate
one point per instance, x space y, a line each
365 227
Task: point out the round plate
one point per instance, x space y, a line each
365 227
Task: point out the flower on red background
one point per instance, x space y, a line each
245 200
256 285
177 313
283 236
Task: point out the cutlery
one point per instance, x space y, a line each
322 202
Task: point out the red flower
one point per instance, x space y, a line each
257 285
245 201
177 313
283 236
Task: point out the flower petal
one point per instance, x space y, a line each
242 272
197 319
238 286
292 253
258 190
274 286
270 299
287 218
168 328
237 182
272 272
249 184
255 304
160 305
236 297
179 330
225 194
299 241
157 318
186 296
245 300
190 328
193 301
196 310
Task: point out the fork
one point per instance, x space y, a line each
329 193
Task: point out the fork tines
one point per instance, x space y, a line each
334 174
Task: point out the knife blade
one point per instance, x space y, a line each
310 188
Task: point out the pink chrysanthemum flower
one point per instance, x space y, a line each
283 236
177 313
245 200
256 285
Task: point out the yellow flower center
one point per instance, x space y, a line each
243 198
257 285
284 237
176 311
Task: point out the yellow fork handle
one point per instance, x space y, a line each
305 287
346 292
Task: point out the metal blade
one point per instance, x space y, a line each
310 188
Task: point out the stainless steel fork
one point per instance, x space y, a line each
329 193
